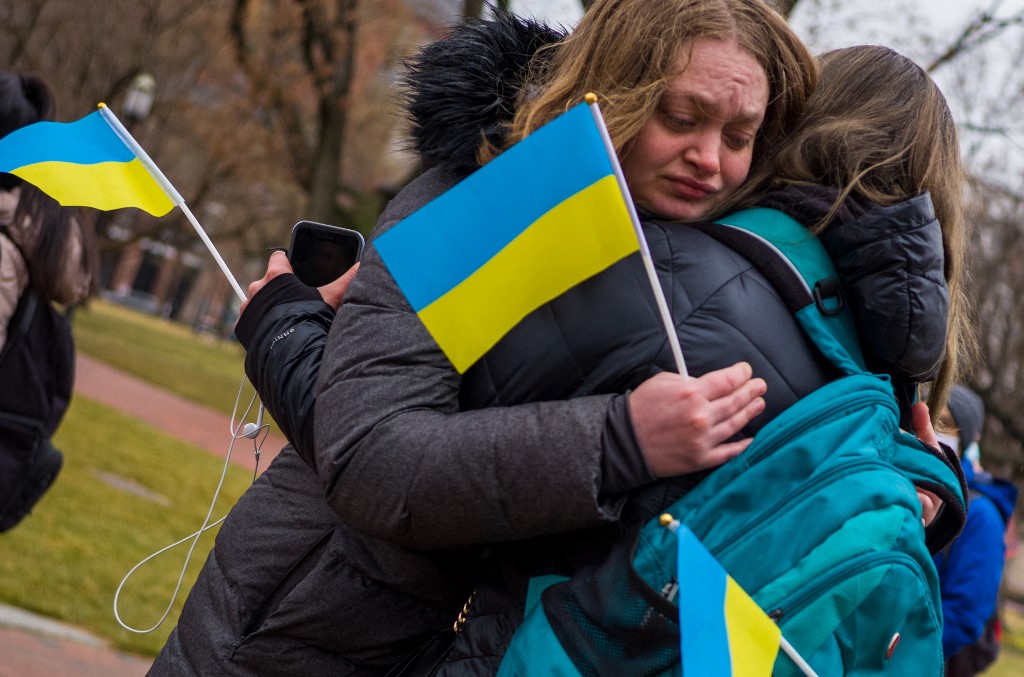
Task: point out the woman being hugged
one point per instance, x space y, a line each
878 132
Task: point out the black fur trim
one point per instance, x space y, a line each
464 87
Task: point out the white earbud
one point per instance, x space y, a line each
252 430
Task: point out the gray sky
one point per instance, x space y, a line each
555 12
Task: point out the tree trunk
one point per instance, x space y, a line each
333 114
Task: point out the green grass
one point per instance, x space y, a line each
66 559
196 366
1009 664
1011 659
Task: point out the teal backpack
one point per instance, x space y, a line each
818 520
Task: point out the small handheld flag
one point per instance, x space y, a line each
95 162
82 163
722 629
542 217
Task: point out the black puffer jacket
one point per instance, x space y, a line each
605 335
408 454
288 589
890 260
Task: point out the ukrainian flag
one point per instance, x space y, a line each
722 629
543 216
82 163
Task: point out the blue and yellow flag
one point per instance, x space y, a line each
534 222
722 629
82 163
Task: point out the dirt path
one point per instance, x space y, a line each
175 415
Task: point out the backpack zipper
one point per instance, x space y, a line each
788 433
796 601
812 483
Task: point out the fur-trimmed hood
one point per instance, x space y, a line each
463 88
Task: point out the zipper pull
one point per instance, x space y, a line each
670 590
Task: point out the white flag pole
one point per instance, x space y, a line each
645 252
213 250
796 658
175 196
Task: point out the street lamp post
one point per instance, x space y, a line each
140 97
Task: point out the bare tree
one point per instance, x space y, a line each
472 8
307 73
982 27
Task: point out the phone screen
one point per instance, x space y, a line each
320 254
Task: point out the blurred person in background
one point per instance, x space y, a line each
48 256
971 567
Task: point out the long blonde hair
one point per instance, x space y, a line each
627 50
877 126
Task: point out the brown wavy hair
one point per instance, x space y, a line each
878 126
626 51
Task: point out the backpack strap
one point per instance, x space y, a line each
796 264
21 321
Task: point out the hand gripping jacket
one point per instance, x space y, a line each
818 520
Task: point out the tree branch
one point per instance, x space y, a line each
984 26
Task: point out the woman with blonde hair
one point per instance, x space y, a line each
873 168
380 528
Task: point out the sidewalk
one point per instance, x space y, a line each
35 646
174 415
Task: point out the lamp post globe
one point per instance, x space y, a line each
139 101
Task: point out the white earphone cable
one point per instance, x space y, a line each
236 433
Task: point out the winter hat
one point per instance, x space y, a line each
24 100
968 413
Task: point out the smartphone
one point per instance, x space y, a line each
320 253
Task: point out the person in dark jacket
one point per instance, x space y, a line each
892 260
971 567
317 596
